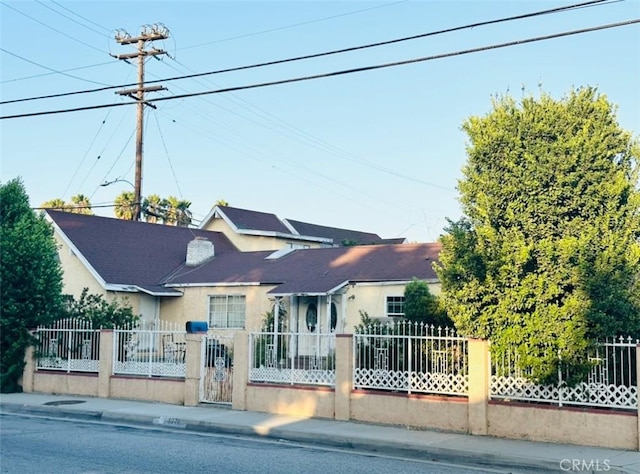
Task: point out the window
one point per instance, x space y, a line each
312 317
395 306
227 311
334 316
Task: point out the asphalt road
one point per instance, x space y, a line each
30 444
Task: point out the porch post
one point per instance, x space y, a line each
328 312
276 320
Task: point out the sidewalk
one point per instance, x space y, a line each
517 456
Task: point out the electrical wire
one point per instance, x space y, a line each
590 3
166 151
301 136
49 69
52 28
64 193
69 18
80 16
341 72
280 28
55 72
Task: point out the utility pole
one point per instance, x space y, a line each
148 34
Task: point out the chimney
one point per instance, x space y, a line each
199 250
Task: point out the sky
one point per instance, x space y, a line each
377 151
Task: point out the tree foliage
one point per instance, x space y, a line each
547 257
30 279
79 204
102 314
421 306
171 211
125 205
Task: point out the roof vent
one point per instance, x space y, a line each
199 250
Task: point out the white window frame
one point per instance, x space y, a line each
227 318
394 300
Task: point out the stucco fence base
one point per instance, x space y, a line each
131 388
65 384
583 426
413 411
476 414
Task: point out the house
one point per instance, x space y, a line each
230 271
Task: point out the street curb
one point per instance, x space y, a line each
386 447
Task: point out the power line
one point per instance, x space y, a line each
69 18
590 3
280 28
341 72
52 28
54 72
80 16
48 69
295 133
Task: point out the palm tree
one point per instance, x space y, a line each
56 204
221 202
184 215
125 205
177 211
80 204
152 209
171 209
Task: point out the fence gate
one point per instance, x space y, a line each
216 379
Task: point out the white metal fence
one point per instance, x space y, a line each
611 382
292 358
150 352
71 345
410 357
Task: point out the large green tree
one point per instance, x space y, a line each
30 279
547 256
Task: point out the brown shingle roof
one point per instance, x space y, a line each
253 220
132 253
152 257
339 236
317 270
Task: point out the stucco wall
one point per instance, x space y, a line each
308 402
75 276
67 384
589 427
443 413
372 299
145 388
582 426
194 304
